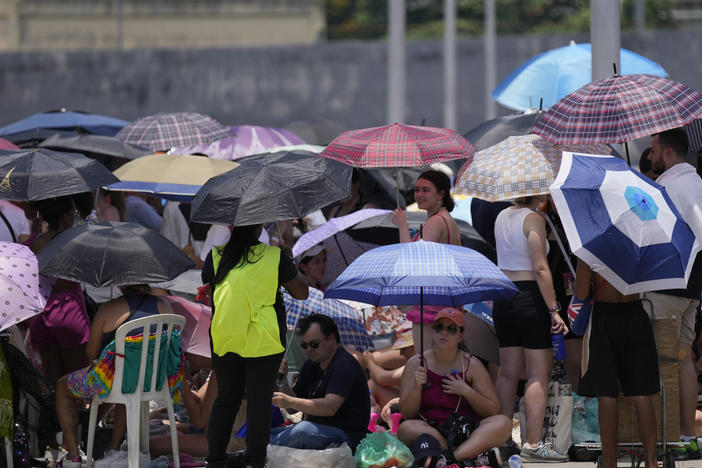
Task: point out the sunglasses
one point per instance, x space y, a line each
314 344
439 327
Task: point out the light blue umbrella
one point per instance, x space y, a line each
352 332
623 225
421 273
556 73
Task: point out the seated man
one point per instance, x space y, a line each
448 383
331 391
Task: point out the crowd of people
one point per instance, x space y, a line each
452 394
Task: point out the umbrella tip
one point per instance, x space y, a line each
614 66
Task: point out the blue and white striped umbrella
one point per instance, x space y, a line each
435 274
351 329
623 225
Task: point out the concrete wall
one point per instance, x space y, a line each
317 90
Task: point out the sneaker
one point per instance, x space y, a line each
543 453
75 463
491 459
689 451
508 449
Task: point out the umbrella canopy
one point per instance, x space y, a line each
493 131
112 254
63 119
415 272
551 75
196 333
95 146
247 140
519 166
271 187
694 135
37 174
398 145
619 109
32 138
622 224
24 291
163 131
170 176
332 227
351 329
7 145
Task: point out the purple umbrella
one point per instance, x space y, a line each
332 227
23 291
247 140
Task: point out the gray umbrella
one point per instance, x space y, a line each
112 254
271 187
37 174
493 131
95 146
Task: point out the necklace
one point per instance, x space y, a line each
434 212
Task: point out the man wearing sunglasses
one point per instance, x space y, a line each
331 391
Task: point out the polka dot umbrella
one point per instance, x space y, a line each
23 292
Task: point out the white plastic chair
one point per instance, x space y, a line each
137 403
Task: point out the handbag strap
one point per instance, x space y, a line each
9 226
560 244
463 367
599 290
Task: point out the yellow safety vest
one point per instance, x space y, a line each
245 321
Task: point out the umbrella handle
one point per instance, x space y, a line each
421 326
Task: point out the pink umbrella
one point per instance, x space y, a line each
7 145
196 334
247 140
23 291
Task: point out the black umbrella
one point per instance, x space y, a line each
493 131
112 254
98 147
31 138
271 187
380 230
37 174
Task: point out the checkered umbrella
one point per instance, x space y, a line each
164 131
398 145
694 135
421 273
351 329
619 109
519 166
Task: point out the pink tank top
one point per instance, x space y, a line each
437 405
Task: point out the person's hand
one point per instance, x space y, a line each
283 369
399 217
420 377
386 412
366 357
281 400
454 386
558 326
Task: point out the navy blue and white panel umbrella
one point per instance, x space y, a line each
622 224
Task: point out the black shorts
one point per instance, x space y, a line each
622 350
524 320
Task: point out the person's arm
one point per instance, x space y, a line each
535 232
105 318
327 406
413 378
583 278
477 390
199 403
388 378
291 279
399 219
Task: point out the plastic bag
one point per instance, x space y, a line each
585 427
284 457
382 450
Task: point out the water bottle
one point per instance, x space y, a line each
92 218
559 351
515 461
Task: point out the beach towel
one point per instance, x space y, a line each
102 374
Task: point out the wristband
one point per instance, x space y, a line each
556 308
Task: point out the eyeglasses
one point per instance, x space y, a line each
314 344
439 327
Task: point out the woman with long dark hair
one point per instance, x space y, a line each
247 336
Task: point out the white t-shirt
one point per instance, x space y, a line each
18 221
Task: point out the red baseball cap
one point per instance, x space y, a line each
454 315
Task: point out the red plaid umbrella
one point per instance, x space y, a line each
163 131
398 145
619 109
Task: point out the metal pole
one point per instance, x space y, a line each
490 59
119 34
450 95
396 61
640 16
605 36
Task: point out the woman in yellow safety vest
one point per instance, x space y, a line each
247 336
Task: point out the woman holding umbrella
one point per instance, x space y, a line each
525 323
247 337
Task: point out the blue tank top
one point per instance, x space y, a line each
140 306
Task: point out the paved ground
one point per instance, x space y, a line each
624 463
